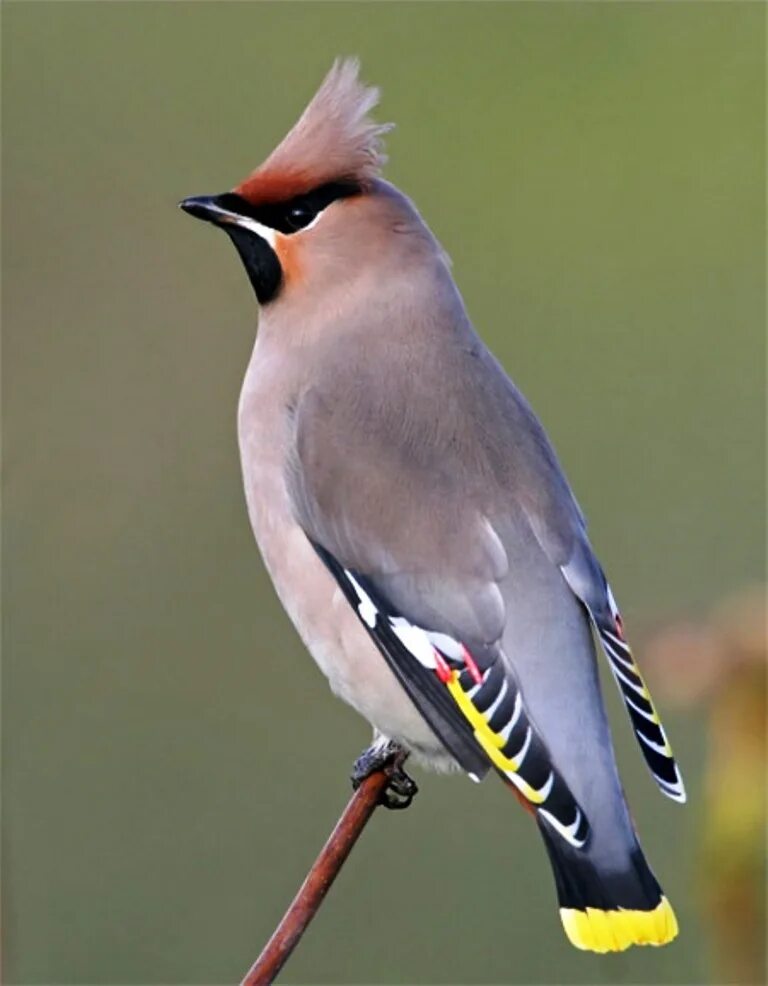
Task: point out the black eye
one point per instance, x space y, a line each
294 214
299 215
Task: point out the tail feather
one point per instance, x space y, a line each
607 911
594 930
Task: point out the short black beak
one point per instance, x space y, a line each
251 239
204 207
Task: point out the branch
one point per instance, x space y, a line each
307 901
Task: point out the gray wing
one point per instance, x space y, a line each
532 475
412 545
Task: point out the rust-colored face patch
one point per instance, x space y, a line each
288 250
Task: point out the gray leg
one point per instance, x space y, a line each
382 753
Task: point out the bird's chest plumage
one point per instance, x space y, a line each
324 619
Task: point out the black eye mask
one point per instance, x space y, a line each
293 215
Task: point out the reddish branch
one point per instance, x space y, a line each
307 901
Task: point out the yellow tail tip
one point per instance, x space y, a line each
613 931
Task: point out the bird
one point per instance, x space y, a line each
415 520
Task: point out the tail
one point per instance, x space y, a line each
607 911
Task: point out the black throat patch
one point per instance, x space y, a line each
260 262
259 259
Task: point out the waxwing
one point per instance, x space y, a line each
415 520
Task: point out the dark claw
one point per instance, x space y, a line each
401 789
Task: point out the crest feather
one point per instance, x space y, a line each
334 140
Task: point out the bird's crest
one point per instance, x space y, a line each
334 140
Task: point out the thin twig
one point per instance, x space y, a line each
307 901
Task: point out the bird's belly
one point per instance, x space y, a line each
327 624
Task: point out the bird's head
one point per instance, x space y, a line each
316 209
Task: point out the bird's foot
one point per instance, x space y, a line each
401 789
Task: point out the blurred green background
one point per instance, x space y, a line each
172 759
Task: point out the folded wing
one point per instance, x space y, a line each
420 565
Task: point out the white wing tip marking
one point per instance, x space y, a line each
546 788
518 757
664 750
679 796
416 641
450 647
568 832
611 601
506 732
489 712
366 609
674 791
